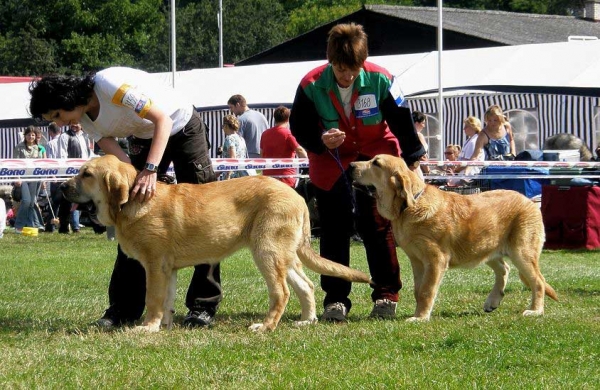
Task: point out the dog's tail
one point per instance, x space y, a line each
321 265
548 290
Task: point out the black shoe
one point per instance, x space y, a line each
111 321
356 238
108 323
198 319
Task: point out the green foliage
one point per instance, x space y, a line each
53 287
77 36
312 14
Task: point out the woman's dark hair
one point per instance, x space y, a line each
29 129
59 93
418 116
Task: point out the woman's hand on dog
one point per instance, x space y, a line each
145 185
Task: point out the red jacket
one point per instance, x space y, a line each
376 103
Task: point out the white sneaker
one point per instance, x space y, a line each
335 312
384 308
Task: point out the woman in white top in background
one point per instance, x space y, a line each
472 129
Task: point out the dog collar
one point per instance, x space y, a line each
418 194
415 197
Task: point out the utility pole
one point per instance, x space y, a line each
220 23
173 43
440 83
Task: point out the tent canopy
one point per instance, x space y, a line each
562 68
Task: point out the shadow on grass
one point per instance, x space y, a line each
579 291
22 325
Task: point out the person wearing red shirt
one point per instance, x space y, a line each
278 142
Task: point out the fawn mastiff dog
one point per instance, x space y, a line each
440 230
189 224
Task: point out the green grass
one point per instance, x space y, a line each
53 287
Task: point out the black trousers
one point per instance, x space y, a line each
189 152
338 221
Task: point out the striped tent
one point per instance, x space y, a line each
533 116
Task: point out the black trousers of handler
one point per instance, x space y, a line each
189 152
337 226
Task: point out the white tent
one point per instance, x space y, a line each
541 68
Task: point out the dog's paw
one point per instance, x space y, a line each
492 302
306 322
488 307
533 313
167 320
145 329
258 328
417 319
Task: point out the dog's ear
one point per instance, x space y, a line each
403 188
117 192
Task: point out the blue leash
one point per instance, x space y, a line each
337 159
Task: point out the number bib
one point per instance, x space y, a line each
366 106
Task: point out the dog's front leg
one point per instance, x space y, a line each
157 283
426 287
169 309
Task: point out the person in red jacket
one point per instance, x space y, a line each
351 110
278 142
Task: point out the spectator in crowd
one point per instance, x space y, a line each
349 110
420 121
39 140
278 142
2 216
163 127
234 146
72 144
55 194
472 130
54 132
498 141
451 153
29 214
252 124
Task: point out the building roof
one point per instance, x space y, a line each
509 28
404 30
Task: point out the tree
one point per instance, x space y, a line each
73 36
77 36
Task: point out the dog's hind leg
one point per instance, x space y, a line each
274 270
305 291
169 309
526 261
501 270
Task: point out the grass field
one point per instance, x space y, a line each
53 287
